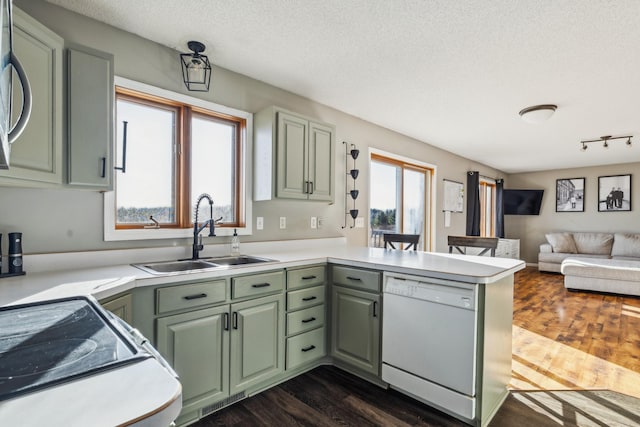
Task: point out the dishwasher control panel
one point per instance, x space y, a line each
420 288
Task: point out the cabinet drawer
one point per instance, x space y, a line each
257 284
190 296
356 278
305 320
305 348
306 277
305 298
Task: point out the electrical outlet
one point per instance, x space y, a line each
320 222
259 223
360 222
283 222
314 222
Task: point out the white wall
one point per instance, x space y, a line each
71 220
531 229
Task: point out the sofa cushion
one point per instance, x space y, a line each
610 269
626 245
562 242
593 243
559 257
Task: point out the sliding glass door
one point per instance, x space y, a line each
400 199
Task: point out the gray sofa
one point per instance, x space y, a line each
560 246
604 262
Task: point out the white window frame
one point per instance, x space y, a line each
110 231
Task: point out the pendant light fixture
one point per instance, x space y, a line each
196 68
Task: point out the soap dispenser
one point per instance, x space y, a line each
235 243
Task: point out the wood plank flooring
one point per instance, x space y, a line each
561 341
567 340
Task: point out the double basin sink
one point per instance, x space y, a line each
198 265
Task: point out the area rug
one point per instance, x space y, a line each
568 408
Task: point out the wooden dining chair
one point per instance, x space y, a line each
410 239
486 243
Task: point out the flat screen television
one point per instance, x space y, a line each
522 202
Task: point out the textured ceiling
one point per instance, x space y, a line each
451 73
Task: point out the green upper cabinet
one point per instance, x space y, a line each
293 157
36 156
90 120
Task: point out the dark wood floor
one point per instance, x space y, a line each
328 397
562 341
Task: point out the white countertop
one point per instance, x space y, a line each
105 281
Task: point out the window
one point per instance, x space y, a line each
177 147
487 207
400 199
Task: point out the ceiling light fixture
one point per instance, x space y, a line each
605 141
196 68
538 113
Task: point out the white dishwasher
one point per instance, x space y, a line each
429 341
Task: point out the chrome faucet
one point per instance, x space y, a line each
197 238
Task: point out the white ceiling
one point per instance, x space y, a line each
451 73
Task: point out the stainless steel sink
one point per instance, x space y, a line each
176 266
237 260
205 264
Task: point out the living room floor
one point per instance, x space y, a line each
568 340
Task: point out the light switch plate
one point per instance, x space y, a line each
259 223
283 222
360 222
314 222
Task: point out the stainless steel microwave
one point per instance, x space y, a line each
8 64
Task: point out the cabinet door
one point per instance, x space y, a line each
355 329
121 306
257 341
196 345
321 162
90 106
36 156
291 165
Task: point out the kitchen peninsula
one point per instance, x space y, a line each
301 308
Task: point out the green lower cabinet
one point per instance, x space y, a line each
257 341
196 344
355 328
121 306
305 348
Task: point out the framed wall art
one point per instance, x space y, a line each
570 195
614 193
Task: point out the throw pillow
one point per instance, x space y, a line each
562 242
593 243
626 244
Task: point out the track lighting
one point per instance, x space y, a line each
605 141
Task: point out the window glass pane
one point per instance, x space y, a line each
213 165
147 186
385 195
413 214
